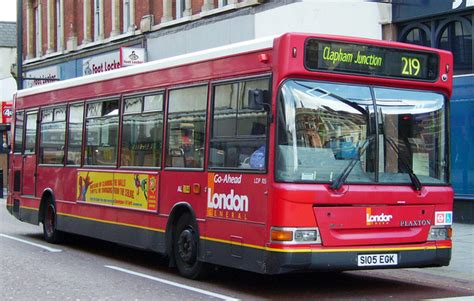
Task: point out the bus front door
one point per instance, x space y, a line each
29 156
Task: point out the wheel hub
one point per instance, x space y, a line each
50 220
186 246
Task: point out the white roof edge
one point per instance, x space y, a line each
189 58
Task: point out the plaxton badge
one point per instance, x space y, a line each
420 222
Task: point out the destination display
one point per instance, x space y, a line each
321 55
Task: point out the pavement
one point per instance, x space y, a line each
462 257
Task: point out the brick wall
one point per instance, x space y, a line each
73 17
108 18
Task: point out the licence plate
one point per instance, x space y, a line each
377 260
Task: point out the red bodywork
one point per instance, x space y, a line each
340 215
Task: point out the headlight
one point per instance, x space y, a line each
306 235
440 233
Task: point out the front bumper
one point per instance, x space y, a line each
337 260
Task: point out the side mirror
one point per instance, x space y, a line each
259 99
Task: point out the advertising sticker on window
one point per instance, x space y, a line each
124 190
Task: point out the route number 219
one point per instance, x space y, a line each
411 66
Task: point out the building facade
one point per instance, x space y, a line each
66 39
8 53
449 25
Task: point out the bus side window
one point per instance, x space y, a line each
19 129
76 121
142 131
239 130
30 136
102 133
186 127
53 135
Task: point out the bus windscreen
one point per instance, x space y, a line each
332 56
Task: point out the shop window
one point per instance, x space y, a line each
53 135
102 133
222 3
74 149
19 128
38 30
98 20
126 15
59 26
142 133
418 36
456 37
239 129
180 7
186 127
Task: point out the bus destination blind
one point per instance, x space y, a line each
321 55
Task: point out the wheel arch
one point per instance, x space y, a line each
48 194
176 212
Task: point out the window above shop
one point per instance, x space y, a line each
453 33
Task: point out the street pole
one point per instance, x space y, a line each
19 43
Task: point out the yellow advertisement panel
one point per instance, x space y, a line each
118 189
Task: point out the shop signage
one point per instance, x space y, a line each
41 76
101 63
130 56
7 111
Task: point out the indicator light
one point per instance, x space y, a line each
186 189
281 235
264 58
196 188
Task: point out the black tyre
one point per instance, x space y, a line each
50 232
186 248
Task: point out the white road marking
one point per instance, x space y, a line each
53 250
183 286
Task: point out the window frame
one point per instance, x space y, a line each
163 133
118 98
22 147
68 120
39 130
166 139
236 137
28 112
126 20
98 20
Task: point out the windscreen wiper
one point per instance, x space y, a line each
414 179
345 173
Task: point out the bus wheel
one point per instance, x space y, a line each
186 247
50 233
